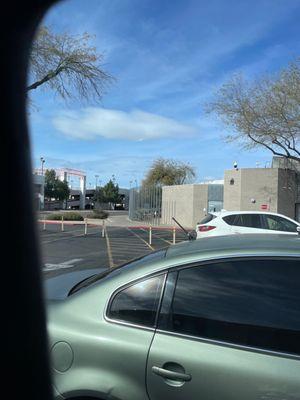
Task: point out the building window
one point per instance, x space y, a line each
231 181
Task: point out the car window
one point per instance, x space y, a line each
248 220
275 223
229 219
138 303
251 302
207 219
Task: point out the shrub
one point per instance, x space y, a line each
98 214
71 216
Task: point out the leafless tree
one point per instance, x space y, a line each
264 113
168 172
68 65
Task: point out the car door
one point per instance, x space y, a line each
228 330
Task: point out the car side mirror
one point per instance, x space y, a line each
298 230
192 235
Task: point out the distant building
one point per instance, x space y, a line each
275 189
190 203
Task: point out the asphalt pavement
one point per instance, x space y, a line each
72 250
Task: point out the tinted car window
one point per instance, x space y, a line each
207 219
248 220
275 223
229 219
253 303
138 303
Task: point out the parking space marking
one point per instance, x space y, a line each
66 264
109 253
64 238
144 241
156 235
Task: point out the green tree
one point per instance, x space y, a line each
55 188
50 178
164 172
263 113
99 196
111 192
68 65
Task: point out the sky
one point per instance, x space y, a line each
168 58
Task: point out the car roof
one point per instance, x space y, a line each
238 244
224 213
207 249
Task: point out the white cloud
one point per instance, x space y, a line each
136 125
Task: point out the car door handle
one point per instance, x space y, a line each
172 375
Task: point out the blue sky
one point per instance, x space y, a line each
168 58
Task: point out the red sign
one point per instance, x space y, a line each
264 207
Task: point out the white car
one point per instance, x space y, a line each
235 222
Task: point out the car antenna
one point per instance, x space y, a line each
190 235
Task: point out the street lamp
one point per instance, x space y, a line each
42 161
96 176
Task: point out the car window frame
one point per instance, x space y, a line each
127 285
167 304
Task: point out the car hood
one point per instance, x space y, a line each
58 287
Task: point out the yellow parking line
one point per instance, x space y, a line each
109 253
152 248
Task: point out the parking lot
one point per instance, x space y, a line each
72 249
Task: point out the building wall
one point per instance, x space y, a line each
200 203
260 185
254 188
287 193
177 201
187 203
249 189
232 190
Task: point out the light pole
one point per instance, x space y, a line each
42 161
96 176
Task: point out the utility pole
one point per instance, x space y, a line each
96 176
42 161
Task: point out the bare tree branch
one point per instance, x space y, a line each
265 112
68 65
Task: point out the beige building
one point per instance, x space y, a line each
258 189
275 189
190 203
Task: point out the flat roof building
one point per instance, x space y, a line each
275 189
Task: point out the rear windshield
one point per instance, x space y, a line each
111 272
207 219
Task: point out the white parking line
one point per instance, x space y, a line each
156 235
66 264
144 241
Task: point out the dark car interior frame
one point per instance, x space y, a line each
24 346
